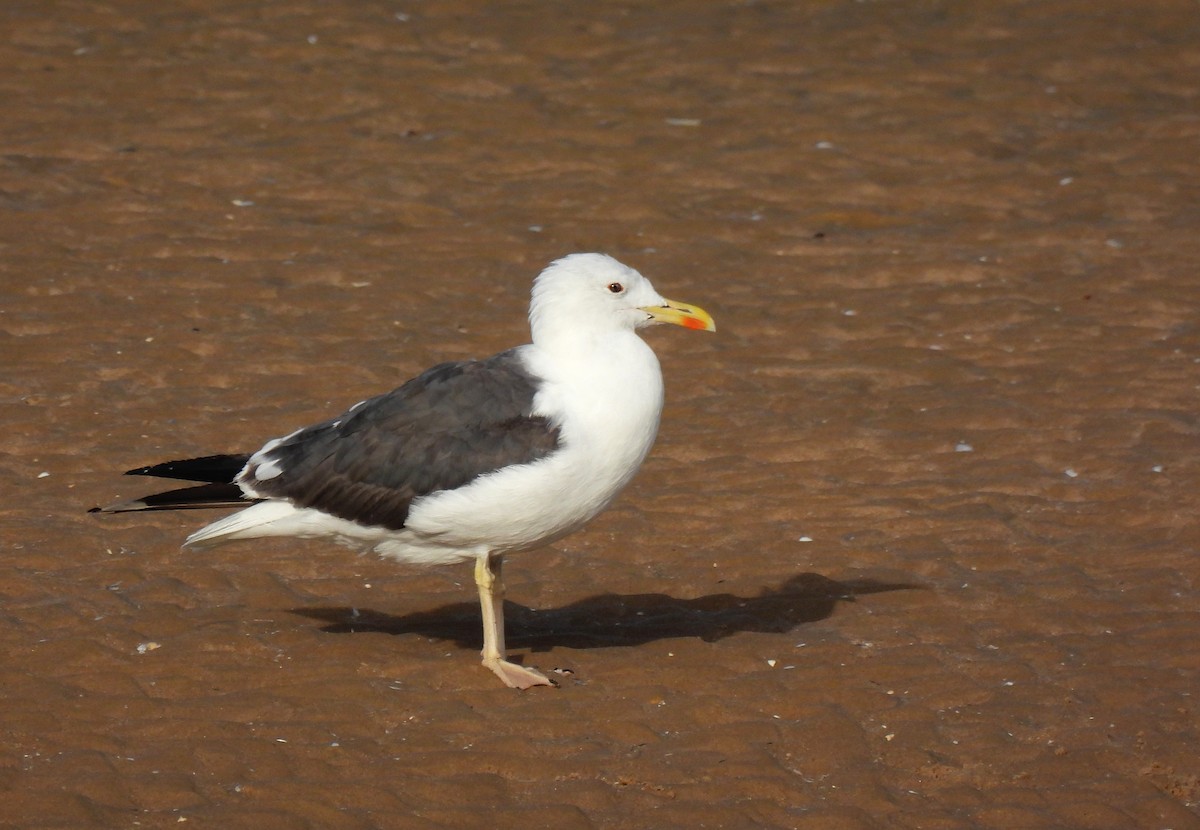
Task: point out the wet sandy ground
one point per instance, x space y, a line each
917 547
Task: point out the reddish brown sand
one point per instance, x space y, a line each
917 548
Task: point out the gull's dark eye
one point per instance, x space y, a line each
616 287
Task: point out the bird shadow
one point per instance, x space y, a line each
608 620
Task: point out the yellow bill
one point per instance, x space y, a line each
681 314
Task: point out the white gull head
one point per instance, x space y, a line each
584 296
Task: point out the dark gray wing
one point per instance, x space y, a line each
442 429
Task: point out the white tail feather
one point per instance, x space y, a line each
267 518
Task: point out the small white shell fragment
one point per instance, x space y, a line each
143 648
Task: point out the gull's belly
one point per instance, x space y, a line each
520 507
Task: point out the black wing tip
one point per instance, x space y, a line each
216 494
217 489
215 469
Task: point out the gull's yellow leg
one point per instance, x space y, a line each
491 603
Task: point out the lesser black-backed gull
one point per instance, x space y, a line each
470 460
